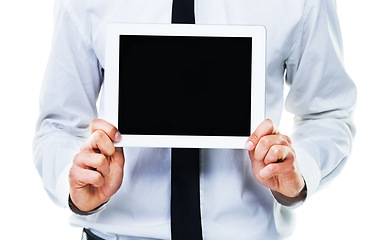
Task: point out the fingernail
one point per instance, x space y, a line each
249 146
118 136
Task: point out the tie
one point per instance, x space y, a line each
183 11
185 211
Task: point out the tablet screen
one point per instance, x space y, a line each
185 85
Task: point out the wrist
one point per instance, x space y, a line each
290 201
76 210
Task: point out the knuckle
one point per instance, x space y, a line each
73 174
94 122
286 139
289 154
99 125
111 131
269 121
254 137
78 158
265 142
275 151
100 160
291 168
270 124
294 166
98 135
283 139
98 138
272 169
293 155
96 177
111 151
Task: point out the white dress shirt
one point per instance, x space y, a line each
304 50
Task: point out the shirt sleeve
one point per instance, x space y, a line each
322 96
67 103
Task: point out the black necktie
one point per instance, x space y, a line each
185 210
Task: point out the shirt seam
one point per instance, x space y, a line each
300 33
77 23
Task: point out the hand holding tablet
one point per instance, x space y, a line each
199 86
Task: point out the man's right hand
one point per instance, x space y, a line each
97 170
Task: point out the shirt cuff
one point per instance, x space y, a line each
62 187
309 169
290 201
75 210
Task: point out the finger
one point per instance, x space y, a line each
266 142
278 153
110 130
277 169
265 128
99 142
81 177
118 157
97 162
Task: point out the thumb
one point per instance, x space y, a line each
109 129
266 127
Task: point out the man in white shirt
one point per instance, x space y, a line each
244 194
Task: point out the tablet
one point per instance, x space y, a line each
180 85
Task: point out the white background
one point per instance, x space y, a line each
352 207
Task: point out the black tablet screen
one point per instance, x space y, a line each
174 85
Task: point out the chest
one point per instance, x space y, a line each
280 17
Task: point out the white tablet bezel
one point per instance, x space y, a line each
111 80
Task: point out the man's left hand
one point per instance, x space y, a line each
273 160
